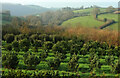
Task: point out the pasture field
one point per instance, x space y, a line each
88 10
89 21
86 21
112 17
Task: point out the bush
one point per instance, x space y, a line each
56 38
54 63
15 45
60 56
8 47
73 63
75 49
37 43
109 60
34 37
61 47
31 60
42 37
9 38
24 44
43 55
34 49
10 60
48 45
22 36
94 62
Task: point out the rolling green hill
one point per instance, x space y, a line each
113 17
88 10
87 21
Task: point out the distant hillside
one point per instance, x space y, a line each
22 10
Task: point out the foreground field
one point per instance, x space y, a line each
75 56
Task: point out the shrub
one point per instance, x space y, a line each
8 47
31 60
56 38
35 49
24 44
109 60
42 37
60 56
117 66
43 55
37 43
48 45
34 37
75 49
15 45
9 38
73 63
10 60
54 63
61 47
94 63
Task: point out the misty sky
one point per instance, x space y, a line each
61 3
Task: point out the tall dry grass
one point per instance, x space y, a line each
101 35
109 36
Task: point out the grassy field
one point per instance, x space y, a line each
113 17
88 10
89 21
86 21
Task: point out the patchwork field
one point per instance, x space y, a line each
86 21
89 21
113 17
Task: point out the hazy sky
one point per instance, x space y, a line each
38 1
61 3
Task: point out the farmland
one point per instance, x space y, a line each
86 21
73 42
89 21
73 48
110 16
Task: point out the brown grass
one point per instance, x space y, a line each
108 36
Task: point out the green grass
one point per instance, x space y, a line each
113 17
86 21
88 10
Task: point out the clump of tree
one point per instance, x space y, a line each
95 12
50 18
8 47
94 62
10 60
54 63
60 47
9 38
43 55
16 46
24 45
31 60
48 45
73 63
